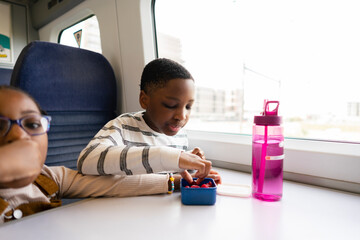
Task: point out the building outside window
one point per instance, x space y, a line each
242 52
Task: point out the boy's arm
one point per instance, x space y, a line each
104 159
107 154
75 185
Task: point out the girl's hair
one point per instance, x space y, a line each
8 87
159 71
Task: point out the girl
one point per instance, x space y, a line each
28 186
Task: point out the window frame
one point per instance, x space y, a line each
83 19
304 158
73 24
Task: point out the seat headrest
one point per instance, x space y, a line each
63 78
5 76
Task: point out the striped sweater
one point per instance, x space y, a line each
127 145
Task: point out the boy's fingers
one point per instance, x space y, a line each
199 180
216 178
204 170
186 175
197 151
212 171
192 161
208 166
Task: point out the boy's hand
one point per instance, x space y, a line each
187 176
197 151
192 161
214 175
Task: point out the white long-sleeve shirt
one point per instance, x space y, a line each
127 145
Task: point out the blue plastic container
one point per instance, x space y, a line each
198 196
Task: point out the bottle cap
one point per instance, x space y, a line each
269 117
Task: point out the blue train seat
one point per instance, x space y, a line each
76 87
5 76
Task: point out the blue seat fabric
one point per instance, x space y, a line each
5 76
76 87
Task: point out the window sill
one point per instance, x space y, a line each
329 164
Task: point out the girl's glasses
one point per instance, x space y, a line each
34 125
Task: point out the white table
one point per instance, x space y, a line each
305 212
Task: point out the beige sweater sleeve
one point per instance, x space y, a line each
75 185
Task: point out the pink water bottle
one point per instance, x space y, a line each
268 154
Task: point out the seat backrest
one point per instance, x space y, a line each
76 87
5 75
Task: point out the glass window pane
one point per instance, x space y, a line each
84 34
306 54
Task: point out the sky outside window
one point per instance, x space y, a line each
303 53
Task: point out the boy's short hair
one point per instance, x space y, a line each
9 87
159 71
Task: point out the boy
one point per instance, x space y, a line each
28 186
150 141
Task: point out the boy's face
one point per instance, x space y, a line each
16 105
168 108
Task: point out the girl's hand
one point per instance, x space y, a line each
20 163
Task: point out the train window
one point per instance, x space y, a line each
242 52
84 34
